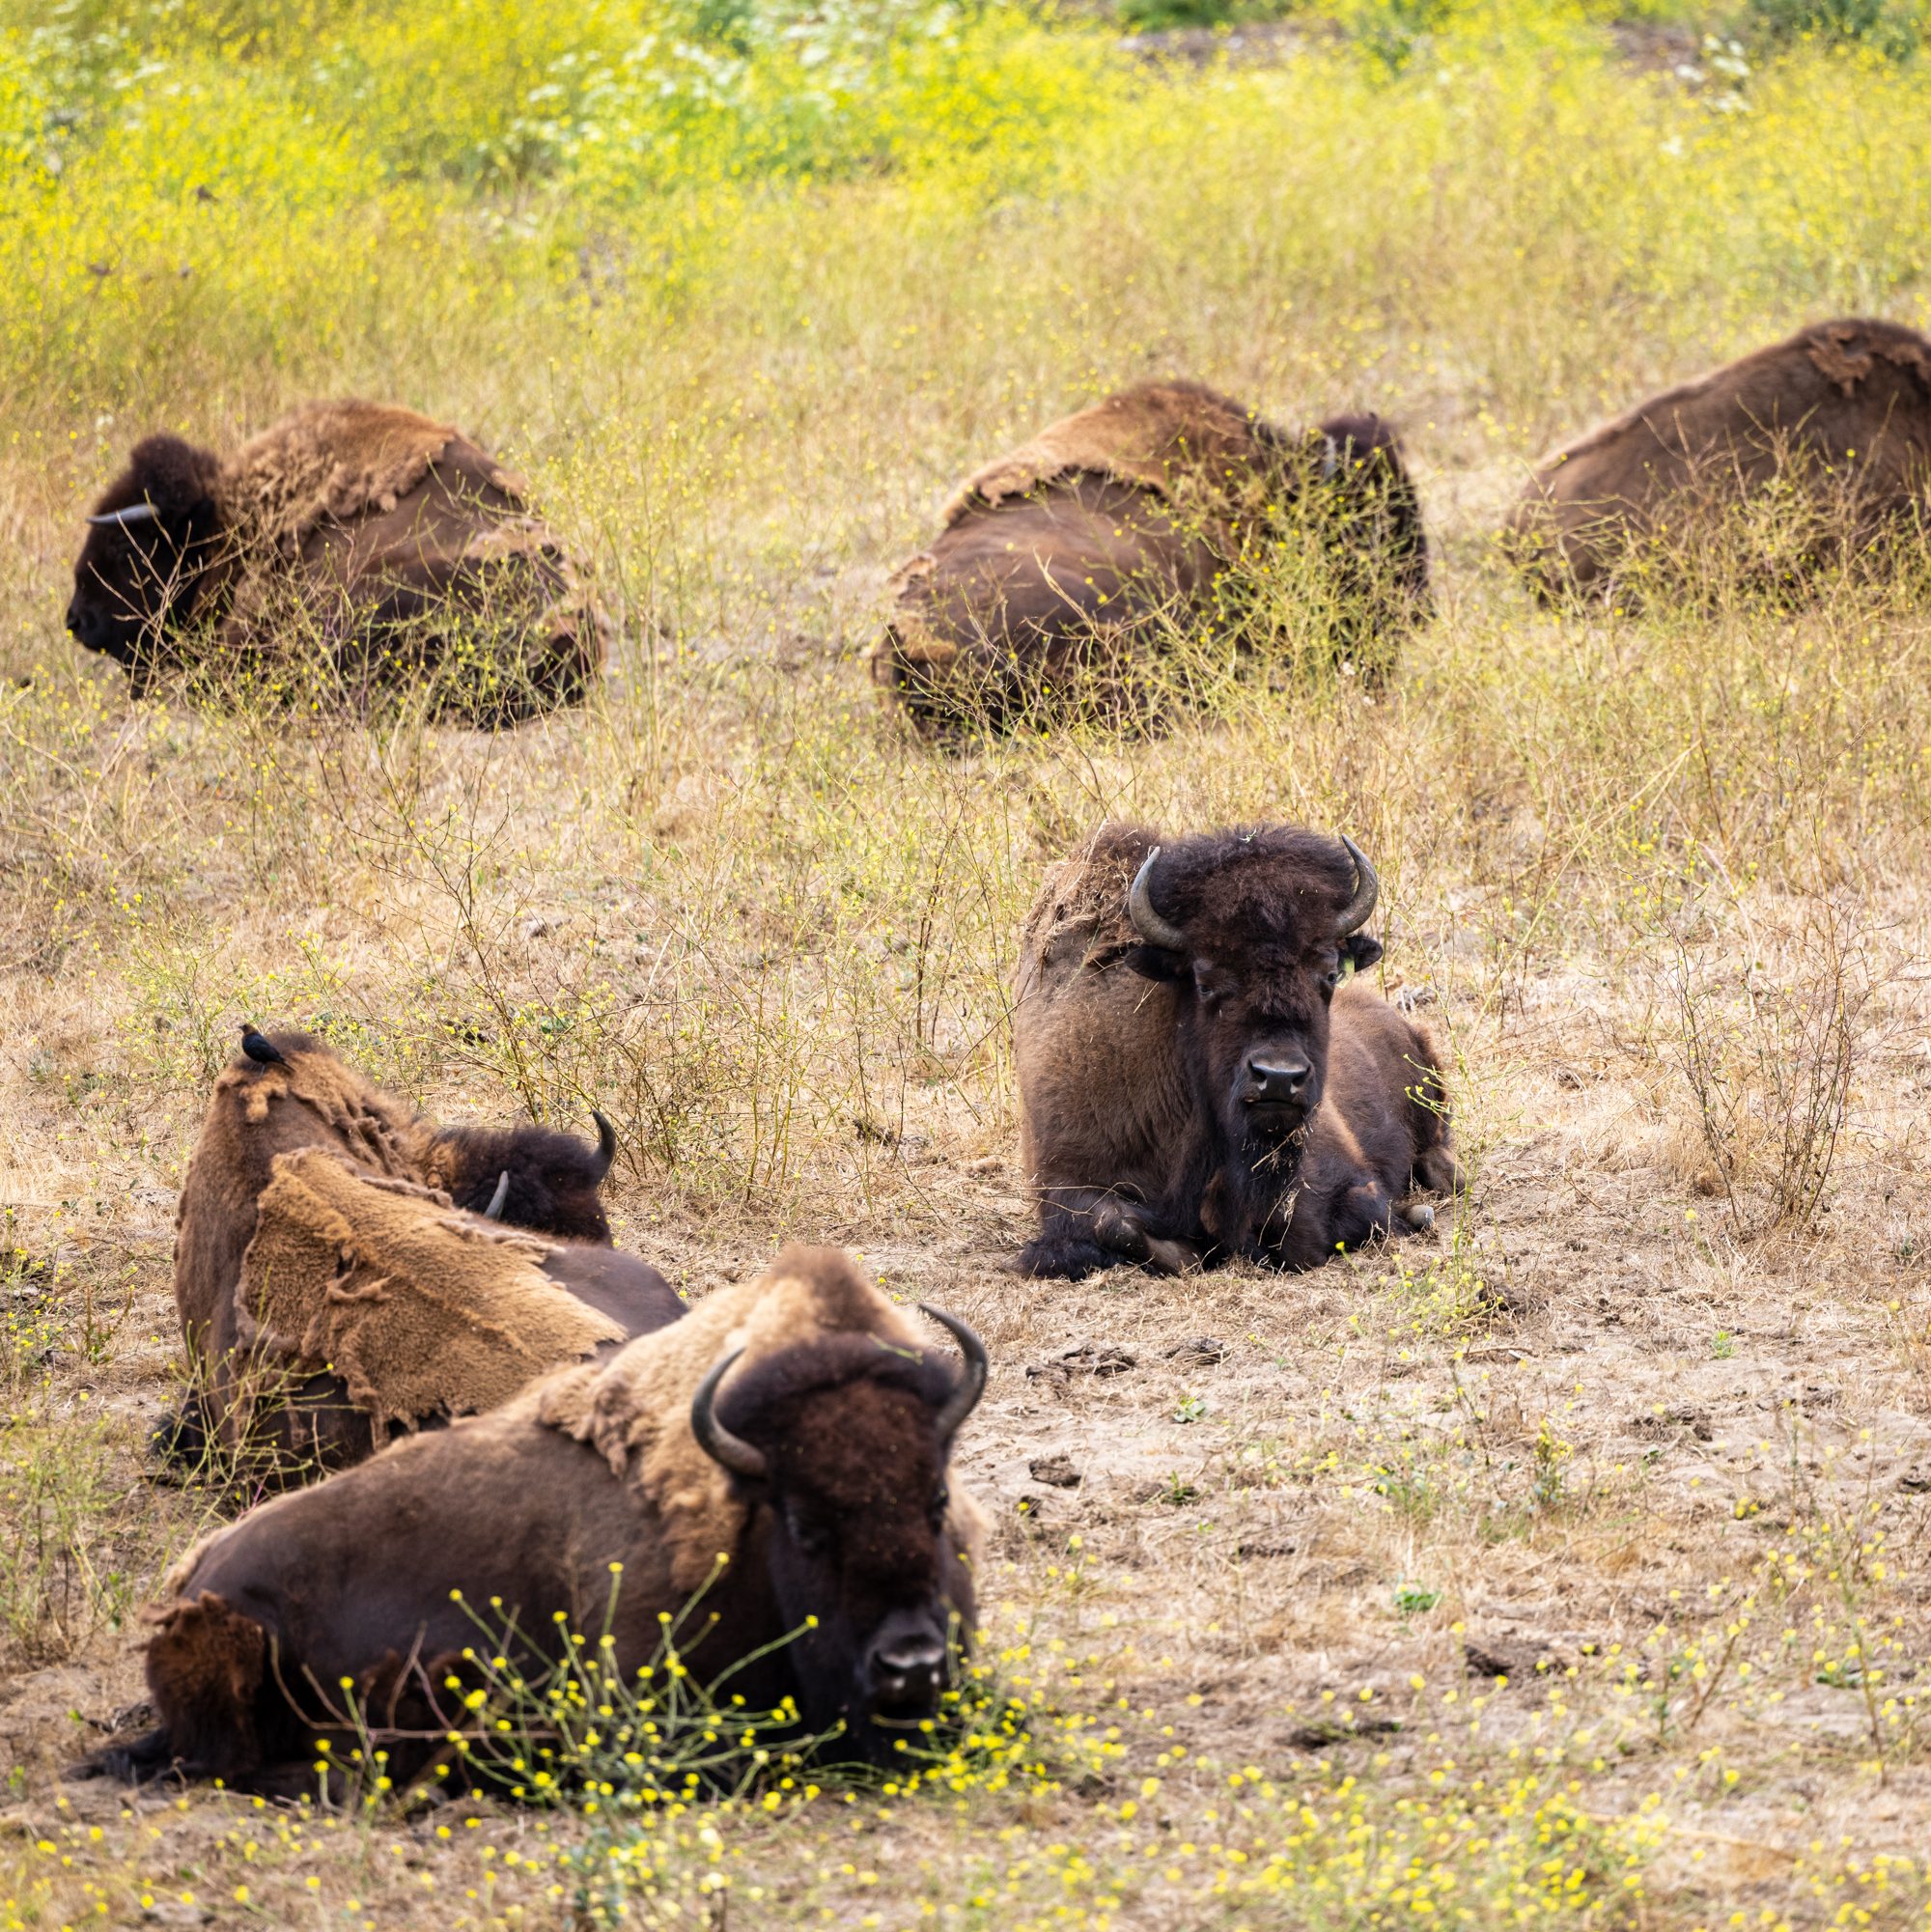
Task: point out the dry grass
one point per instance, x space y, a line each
1587 1538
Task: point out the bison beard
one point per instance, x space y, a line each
837 1448
1197 1081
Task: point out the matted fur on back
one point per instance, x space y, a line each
423 1310
331 460
1181 441
635 1408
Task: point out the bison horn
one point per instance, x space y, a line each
136 513
964 1399
712 1437
606 1143
494 1211
1367 889
1148 923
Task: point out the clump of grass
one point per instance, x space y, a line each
1769 1063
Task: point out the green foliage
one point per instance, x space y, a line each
1892 28
1150 17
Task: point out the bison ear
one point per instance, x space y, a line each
1156 962
177 479
1360 950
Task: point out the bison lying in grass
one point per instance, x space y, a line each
1200 1076
350 547
784 1449
343 1269
1164 508
1778 461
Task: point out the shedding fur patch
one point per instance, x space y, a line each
421 1310
327 460
634 1409
1081 901
380 1134
1188 445
340 462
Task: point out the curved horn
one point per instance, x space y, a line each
1367 889
972 1384
494 1211
606 1143
1147 923
712 1437
136 513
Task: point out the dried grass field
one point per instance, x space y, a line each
1571 1565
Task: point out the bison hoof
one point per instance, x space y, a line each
1172 1257
1419 1216
1119 1233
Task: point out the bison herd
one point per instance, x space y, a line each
477 1429
357 548
472 1429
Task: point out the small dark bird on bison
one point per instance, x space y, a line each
260 1048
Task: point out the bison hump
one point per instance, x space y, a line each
1158 435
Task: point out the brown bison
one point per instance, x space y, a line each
356 543
1839 415
1199 1078
783 1450
342 1267
1164 505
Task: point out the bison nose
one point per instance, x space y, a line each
1278 1080
908 1668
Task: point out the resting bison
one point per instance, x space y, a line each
350 547
1198 1077
1167 504
784 1448
1840 415
338 1271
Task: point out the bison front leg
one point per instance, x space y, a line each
1083 1230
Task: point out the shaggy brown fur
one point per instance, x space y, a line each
258 1114
1841 408
423 1311
579 1507
1134 1061
1058 561
382 542
634 1409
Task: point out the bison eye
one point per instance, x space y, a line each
1207 984
811 1538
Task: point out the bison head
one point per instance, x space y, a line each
531 1177
152 536
842 1447
1254 930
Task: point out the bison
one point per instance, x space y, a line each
1200 1076
340 1263
1840 415
773 1467
352 546
1167 504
